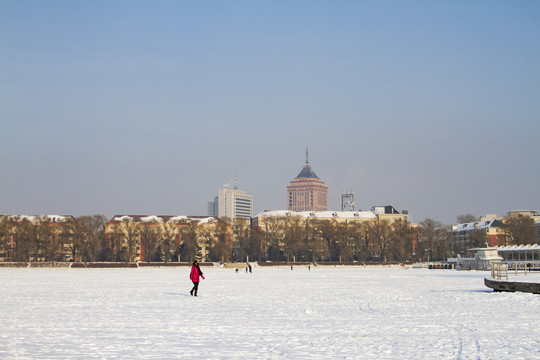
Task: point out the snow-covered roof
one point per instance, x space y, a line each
318 214
465 227
518 248
206 220
177 218
38 218
123 218
165 218
478 225
151 219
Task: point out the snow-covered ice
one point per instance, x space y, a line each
273 313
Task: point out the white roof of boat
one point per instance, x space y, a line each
519 247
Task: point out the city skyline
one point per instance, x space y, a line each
114 108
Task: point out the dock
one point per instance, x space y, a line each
512 286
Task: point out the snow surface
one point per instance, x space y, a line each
273 313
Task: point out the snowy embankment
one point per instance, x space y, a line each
272 313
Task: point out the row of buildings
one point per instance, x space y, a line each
306 199
491 227
306 192
61 238
57 236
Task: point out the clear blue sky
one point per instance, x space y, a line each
148 107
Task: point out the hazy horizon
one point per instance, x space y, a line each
132 107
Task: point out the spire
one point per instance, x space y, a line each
307 171
235 182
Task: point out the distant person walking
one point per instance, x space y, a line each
194 276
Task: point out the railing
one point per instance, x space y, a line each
498 270
502 269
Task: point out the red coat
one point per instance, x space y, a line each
195 273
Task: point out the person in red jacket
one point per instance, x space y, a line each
194 276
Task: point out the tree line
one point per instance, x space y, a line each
39 239
85 238
379 240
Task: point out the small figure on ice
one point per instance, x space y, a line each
194 276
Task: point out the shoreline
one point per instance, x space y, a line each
83 265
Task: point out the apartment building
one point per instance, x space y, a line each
231 203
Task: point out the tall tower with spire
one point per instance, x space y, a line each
307 192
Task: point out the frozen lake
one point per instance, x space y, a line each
273 313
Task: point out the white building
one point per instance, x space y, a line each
232 203
481 261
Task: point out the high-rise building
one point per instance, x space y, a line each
232 203
307 192
213 207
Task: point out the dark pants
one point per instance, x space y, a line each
195 288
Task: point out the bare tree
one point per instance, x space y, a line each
380 231
167 241
256 238
467 218
401 238
16 238
48 244
293 237
39 232
131 235
22 235
317 240
477 238
85 234
150 232
206 237
190 248
242 234
275 231
434 240
222 242
519 230
327 231
114 239
345 240
358 237
4 238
